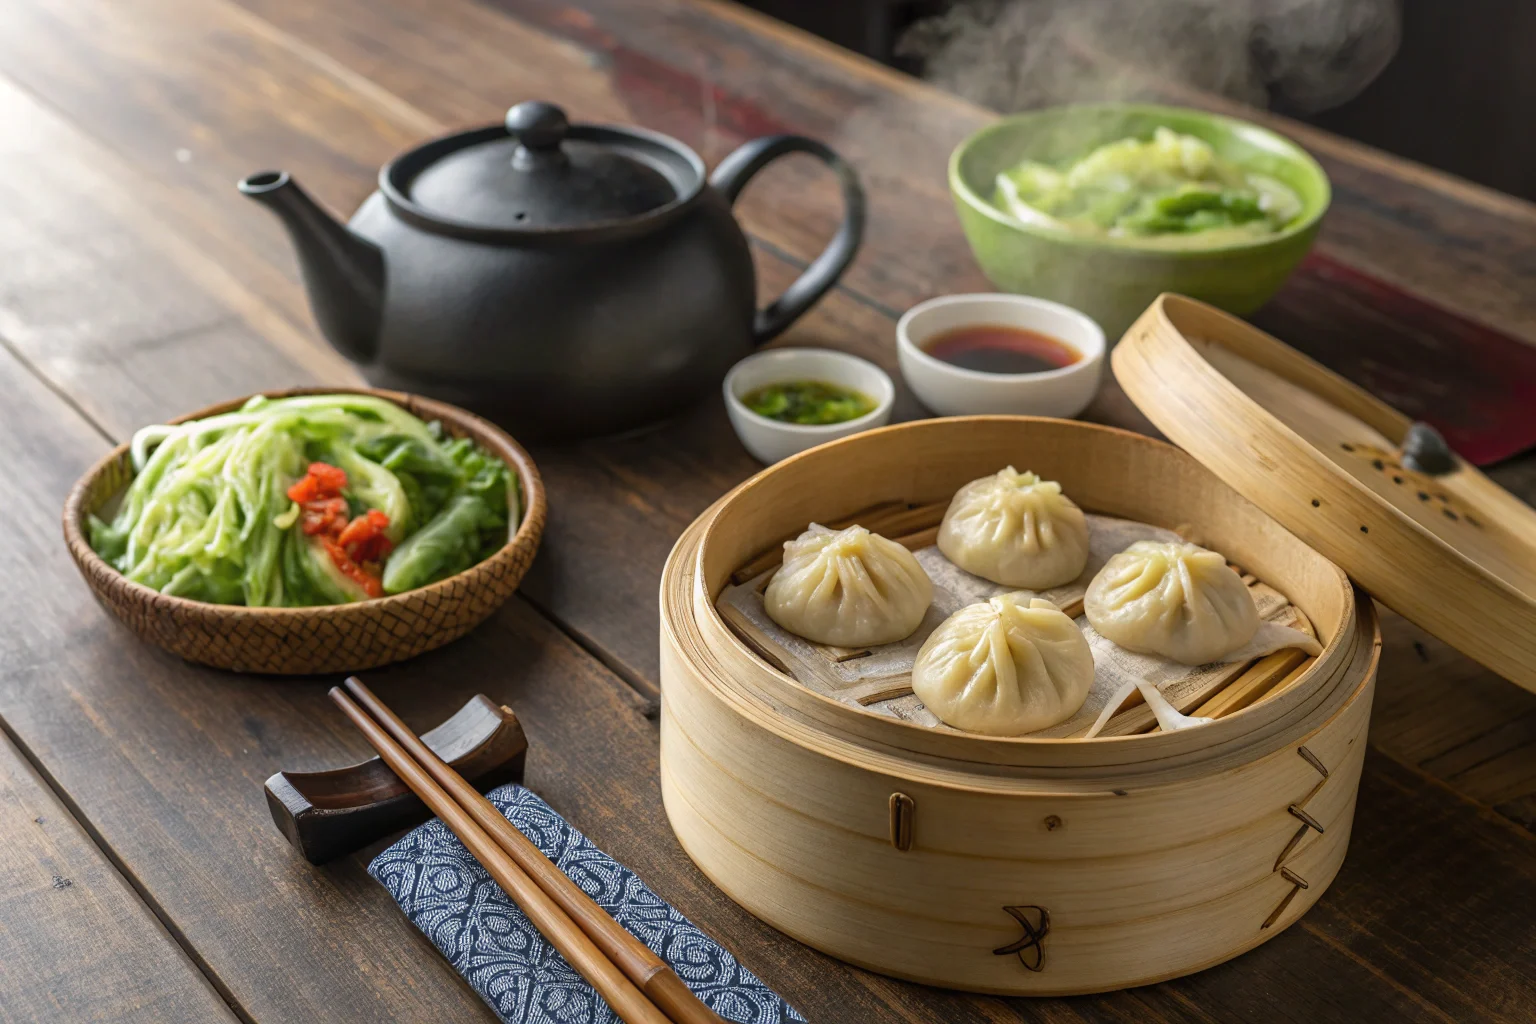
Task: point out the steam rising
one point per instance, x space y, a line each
1300 56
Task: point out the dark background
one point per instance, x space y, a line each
1460 94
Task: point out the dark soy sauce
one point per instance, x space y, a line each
999 348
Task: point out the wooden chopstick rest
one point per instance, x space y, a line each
638 961
632 1006
330 813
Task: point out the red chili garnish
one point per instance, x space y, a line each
305 490
370 583
364 539
323 515
356 548
322 481
365 527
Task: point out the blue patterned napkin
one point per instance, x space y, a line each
450 897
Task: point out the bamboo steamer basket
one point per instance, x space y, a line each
1057 867
921 852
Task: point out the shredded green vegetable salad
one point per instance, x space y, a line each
1172 190
309 500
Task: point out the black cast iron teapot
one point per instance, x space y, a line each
561 279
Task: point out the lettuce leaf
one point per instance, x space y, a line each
207 515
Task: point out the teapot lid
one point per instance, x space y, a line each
539 175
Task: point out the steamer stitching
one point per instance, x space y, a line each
1298 810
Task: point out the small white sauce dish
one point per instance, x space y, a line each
951 390
771 441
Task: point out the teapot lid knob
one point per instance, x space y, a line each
537 126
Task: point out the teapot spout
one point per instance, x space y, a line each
343 273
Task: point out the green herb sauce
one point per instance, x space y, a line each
808 402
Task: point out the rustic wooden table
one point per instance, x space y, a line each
140 877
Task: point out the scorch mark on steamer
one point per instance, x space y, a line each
1033 940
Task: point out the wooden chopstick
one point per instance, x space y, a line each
554 924
647 971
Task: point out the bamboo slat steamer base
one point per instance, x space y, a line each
1016 865
880 680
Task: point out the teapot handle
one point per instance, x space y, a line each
732 175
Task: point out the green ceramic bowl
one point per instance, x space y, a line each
1113 280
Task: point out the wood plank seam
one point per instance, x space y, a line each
156 214
57 389
889 312
67 801
129 878
648 691
1485 810
72 931
1343 949
335 69
1482 738
168 338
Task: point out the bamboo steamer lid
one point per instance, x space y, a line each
1421 529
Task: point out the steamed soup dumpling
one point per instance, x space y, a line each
1174 599
851 588
1005 667
1015 529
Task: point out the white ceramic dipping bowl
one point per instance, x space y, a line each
771 440
950 390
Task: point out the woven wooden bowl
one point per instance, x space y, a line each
335 638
